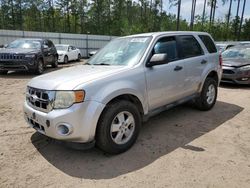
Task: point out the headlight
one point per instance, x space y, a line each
60 54
30 56
65 99
247 67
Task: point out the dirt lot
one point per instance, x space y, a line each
181 147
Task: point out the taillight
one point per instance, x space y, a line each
220 60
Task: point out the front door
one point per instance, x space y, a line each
165 82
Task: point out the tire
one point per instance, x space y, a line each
66 59
117 139
40 67
3 72
208 95
79 57
55 63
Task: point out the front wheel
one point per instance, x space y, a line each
40 67
79 57
208 95
66 59
118 127
55 62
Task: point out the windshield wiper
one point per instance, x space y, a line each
86 63
102 64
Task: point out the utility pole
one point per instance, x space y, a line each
178 16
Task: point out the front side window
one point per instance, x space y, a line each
190 46
168 46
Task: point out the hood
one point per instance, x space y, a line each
18 50
236 62
69 78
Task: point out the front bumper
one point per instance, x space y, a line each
235 75
17 65
82 118
61 59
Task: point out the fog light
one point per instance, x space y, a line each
64 129
244 79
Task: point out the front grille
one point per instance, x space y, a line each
10 56
41 100
226 71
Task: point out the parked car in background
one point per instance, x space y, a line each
224 46
236 65
28 55
245 42
67 53
93 52
127 81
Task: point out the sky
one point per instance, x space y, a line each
221 11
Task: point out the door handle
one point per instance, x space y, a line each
203 61
178 68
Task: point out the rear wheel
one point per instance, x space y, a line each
118 127
55 63
40 67
208 95
3 72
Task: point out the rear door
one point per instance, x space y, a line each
165 82
194 61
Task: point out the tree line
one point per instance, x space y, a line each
121 17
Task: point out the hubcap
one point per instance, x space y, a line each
210 94
122 127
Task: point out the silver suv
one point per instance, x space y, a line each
105 101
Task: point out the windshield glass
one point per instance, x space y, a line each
237 53
26 44
61 48
121 51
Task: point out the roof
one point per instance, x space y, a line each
155 34
31 39
61 44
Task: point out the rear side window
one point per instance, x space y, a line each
208 42
50 44
190 46
167 45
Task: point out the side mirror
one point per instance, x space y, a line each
157 59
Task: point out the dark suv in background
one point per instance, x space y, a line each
28 55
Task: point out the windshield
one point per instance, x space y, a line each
61 48
121 51
237 53
26 44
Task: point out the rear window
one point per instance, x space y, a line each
190 46
208 42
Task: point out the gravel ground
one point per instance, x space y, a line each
181 147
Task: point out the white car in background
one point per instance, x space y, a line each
67 53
